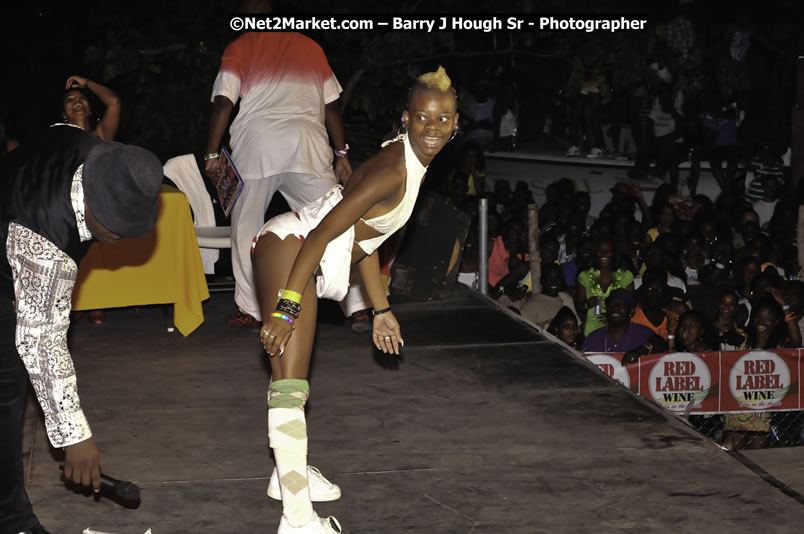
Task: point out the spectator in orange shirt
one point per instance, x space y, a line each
656 308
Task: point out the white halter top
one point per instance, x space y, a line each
396 218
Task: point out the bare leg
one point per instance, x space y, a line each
273 260
287 426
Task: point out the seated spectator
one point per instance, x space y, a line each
719 143
566 191
565 327
548 250
635 239
666 144
665 224
597 283
773 325
540 308
671 251
746 228
501 199
770 328
506 111
755 177
584 258
471 170
455 191
693 258
654 258
479 116
582 203
509 263
568 241
695 333
619 334
656 308
747 270
719 268
765 207
729 334
521 197
794 296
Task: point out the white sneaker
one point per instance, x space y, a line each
317 525
321 489
573 151
595 153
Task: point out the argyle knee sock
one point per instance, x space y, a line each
287 434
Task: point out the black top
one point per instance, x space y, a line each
35 182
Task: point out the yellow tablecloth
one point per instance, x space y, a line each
162 267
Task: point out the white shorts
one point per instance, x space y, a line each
332 276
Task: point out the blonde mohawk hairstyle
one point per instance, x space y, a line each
433 81
437 80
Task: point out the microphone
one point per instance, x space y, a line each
121 488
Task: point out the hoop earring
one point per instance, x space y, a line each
454 134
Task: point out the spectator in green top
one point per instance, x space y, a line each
595 284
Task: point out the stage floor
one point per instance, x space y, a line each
486 427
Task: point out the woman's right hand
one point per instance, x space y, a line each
275 335
80 81
591 302
387 334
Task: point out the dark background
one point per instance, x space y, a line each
162 57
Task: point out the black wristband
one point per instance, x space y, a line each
380 312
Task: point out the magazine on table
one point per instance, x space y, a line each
230 184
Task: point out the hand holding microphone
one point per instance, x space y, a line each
82 466
120 488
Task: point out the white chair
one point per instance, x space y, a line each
184 172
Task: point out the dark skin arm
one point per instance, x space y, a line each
385 324
334 123
82 464
221 111
654 345
107 127
517 270
792 325
581 302
647 216
380 185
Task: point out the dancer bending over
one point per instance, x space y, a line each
308 254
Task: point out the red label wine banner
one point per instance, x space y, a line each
712 382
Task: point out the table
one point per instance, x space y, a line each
162 267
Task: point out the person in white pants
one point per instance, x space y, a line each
288 102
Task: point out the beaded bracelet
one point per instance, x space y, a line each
211 155
343 153
285 318
289 307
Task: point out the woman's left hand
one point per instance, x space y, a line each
275 335
387 335
80 81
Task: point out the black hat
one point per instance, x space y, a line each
623 295
121 186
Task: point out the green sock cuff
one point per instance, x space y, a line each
288 393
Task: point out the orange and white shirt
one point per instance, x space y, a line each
283 81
